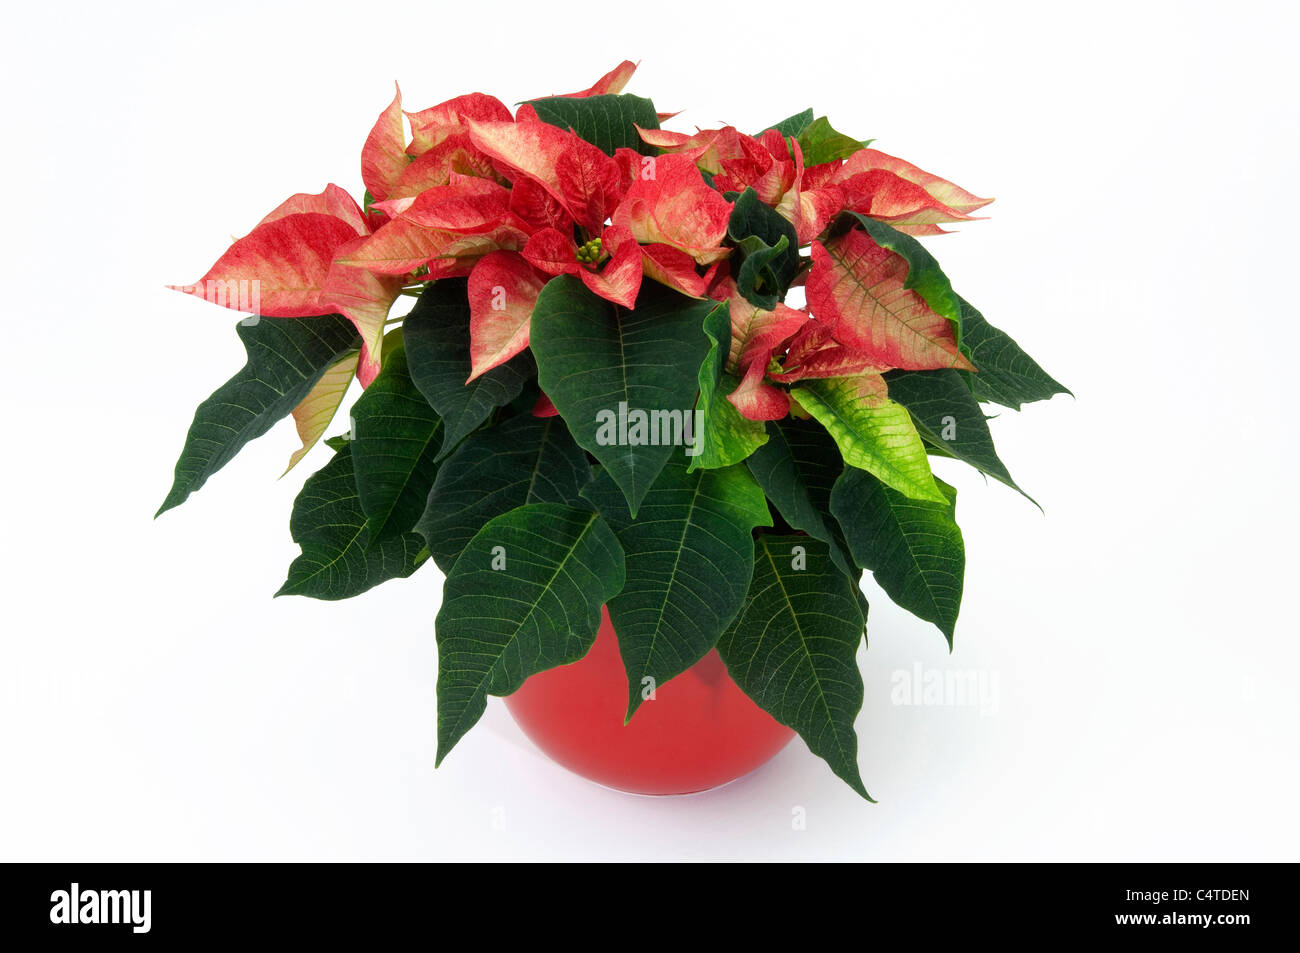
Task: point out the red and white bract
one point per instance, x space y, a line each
856 288
383 158
611 82
280 266
671 204
757 399
814 353
364 298
503 290
512 202
332 201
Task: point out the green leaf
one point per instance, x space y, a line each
523 597
769 250
924 276
947 415
727 436
793 649
1005 374
913 547
792 126
286 357
820 143
329 525
875 435
524 460
606 369
608 122
689 558
395 448
436 334
796 469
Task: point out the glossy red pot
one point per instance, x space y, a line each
700 730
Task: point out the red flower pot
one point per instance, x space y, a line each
700 731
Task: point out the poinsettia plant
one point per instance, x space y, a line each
600 396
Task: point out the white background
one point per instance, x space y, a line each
156 703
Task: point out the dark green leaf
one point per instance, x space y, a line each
689 557
286 357
394 447
608 122
727 437
523 597
608 370
769 251
947 415
792 126
329 525
1005 375
820 143
796 469
524 460
437 348
793 648
913 547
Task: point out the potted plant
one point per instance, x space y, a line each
652 484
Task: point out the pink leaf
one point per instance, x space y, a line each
503 290
856 287
943 191
383 158
332 201
676 269
277 269
671 204
429 127
611 82
552 252
364 298
466 205
756 399
619 280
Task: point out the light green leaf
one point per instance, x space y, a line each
606 368
821 142
913 547
524 460
689 557
793 648
523 597
286 357
727 437
329 525
873 434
